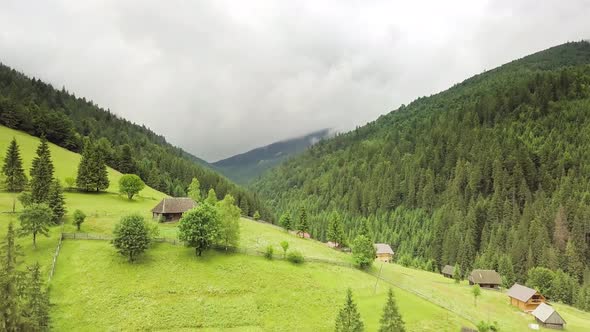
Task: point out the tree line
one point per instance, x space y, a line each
39 109
492 173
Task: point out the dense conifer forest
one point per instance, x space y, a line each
492 173
39 109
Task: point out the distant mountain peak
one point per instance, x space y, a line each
247 166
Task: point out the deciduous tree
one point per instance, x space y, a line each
35 220
130 185
199 227
229 222
131 236
363 252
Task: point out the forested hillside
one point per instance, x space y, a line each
37 108
493 173
246 167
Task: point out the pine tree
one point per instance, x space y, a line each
335 229
41 173
303 225
36 311
92 170
56 202
101 178
391 320
285 221
9 302
349 319
13 169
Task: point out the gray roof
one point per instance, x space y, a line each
383 248
448 269
488 277
174 205
546 314
521 293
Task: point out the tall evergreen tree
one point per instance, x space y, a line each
36 309
56 202
92 170
126 164
349 319
194 190
303 225
9 277
16 179
211 197
41 173
391 320
285 221
335 229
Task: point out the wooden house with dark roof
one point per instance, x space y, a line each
548 317
447 271
527 299
172 208
485 279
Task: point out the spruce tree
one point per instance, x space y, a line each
101 179
391 321
9 297
126 164
194 190
285 221
41 173
36 310
56 202
335 229
303 225
457 273
349 319
83 179
13 169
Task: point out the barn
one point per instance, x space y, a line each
527 299
447 271
383 252
548 317
172 208
485 279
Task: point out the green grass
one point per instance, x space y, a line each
94 288
170 288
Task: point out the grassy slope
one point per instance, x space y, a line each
170 288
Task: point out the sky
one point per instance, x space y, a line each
222 77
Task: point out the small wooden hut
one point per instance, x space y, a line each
384 252
548 317
527 299
485 279
447 271
172 208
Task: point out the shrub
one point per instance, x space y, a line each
295 256
269 252
79 218
285 246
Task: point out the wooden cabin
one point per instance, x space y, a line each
171 209
485 279
527 299
383 252
447 271
548 317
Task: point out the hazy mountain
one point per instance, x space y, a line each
247 166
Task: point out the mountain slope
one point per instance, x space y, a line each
245 167
37 108
495 169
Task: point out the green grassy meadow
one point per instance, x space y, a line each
169 288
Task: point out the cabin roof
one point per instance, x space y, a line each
488 277
547 314
382 248
174 205
448 269
521 293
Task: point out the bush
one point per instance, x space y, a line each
295 256
269 252
79 218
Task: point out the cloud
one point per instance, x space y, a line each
221 77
